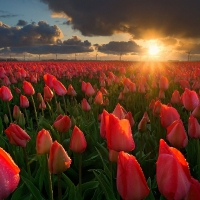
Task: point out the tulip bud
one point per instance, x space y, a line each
39 97
59 110
59 161
21 120
78 142
62 123
5 93
43 142
16 112
24 102
6 120
28 88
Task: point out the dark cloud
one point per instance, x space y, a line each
143 19
169 41
21 22
114 47
31 34
72 45
66 23
8 16
193 48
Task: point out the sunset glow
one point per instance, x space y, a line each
154 50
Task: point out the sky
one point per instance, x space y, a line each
132 30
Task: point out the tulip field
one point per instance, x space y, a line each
88 130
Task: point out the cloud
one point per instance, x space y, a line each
8 16
72 45
31 34
117 48
143 19
184 46
21 22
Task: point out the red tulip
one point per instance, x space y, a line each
98 98
43 142
28 88
194 192
9 174
48 93
157 108
59 161
17 90
130 118
151 104
118 134
5 93
142 126
2 72
161 94
103 124
62 123
16 135
59 88
42 105
196 111
85 105
163 83
24 102
172 173
193 127
83 86
131 183
16 112
78 142
190 99
71 91
168 115
176 98
176 134
119 111
48 79
184 84
89 90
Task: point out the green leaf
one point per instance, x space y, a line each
107 171
34 191
88 186
17 194
71 193
104 185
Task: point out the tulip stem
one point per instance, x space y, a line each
59 186
9 111
64 104
26 160
34 109
26 116
111 174
80 173
49 179
141 145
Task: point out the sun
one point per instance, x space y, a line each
154 50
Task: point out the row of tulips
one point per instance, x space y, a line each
70 122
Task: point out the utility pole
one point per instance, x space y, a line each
120 56
96 56
189 52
